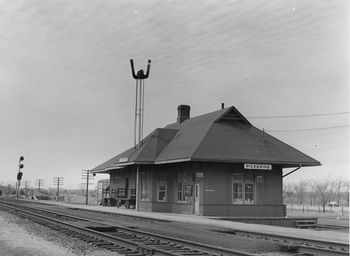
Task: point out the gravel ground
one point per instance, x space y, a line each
20 237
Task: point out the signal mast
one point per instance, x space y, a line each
139 111
140 101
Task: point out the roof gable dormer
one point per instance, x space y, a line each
233 115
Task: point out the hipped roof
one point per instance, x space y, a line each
150 148
221 136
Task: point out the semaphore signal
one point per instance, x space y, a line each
140 101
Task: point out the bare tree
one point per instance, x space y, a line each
315 192
311 189
338 185
300 191
346 187
288 193
325 191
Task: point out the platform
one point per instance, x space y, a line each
323 235
291 222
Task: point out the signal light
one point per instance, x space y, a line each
20 166
19 175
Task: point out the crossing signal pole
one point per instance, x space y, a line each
87 176
58 181
19 175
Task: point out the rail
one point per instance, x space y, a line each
123 240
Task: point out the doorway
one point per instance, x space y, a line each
196 199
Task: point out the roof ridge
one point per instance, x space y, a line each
175 125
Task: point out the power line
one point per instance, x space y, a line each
297 116
311 129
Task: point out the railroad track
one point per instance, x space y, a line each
292 244
123 240
150 243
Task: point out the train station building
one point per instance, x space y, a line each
216 164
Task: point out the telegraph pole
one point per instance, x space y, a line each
87 175
58 181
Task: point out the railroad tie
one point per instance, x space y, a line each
194 253
180 249
151 243
136 254
289 248
126 251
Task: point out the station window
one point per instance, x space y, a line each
242 190
180 184
237 185
249 193
162 188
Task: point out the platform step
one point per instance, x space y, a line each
305 224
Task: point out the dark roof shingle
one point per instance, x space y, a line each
220 136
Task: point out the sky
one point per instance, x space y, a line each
67 97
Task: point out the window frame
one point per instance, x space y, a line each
245 201
165 190
181 179
239 199
242 183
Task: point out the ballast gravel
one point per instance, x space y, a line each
21 237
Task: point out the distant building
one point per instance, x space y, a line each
213 164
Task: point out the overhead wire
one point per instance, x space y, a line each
309 129
297 116
303 116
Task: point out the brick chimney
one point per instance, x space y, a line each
183 113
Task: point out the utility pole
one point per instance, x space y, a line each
58 181
139 113
19 175
87 175
39 183
26 186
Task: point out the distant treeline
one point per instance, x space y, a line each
313 192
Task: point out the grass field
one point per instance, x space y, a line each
337 216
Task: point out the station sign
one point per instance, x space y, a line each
199 174
123 159
258 166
